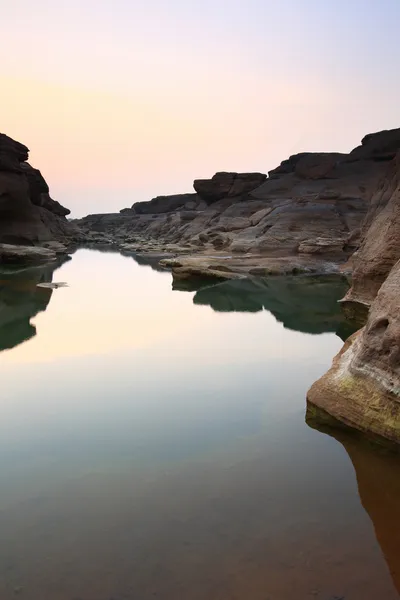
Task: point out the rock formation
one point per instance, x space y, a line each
362 389
28 215
380 248
308 211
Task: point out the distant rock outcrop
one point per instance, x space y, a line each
28 215
227 185
310 208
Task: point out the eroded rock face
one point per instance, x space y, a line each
28 215
362 389
311 207
380 248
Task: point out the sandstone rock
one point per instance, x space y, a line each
220 241
163 204
225 266
322 246
56 247
380 248
27 213
15 255
308 165
227 185
382 145
317 165
362 389
12 154
188 215
309 210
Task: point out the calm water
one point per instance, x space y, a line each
153 443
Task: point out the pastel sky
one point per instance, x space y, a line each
123 100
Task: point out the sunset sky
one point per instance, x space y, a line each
123 100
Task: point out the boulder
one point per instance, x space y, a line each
380 146
322 246
164 204
308 165
227 185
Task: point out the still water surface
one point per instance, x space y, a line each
153 443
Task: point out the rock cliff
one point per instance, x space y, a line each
362 389
28 215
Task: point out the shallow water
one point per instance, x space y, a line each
153 443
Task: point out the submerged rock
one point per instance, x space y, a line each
53 285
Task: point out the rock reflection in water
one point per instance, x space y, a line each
378 478
308 304
20 301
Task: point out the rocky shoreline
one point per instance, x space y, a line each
316 213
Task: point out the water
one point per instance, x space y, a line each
153 443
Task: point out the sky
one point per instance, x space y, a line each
123 100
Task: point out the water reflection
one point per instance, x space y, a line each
378 479
21 300
152 447
306 304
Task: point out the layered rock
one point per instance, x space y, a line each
227 185
310 209
362 389
28 215
380 247
165 204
